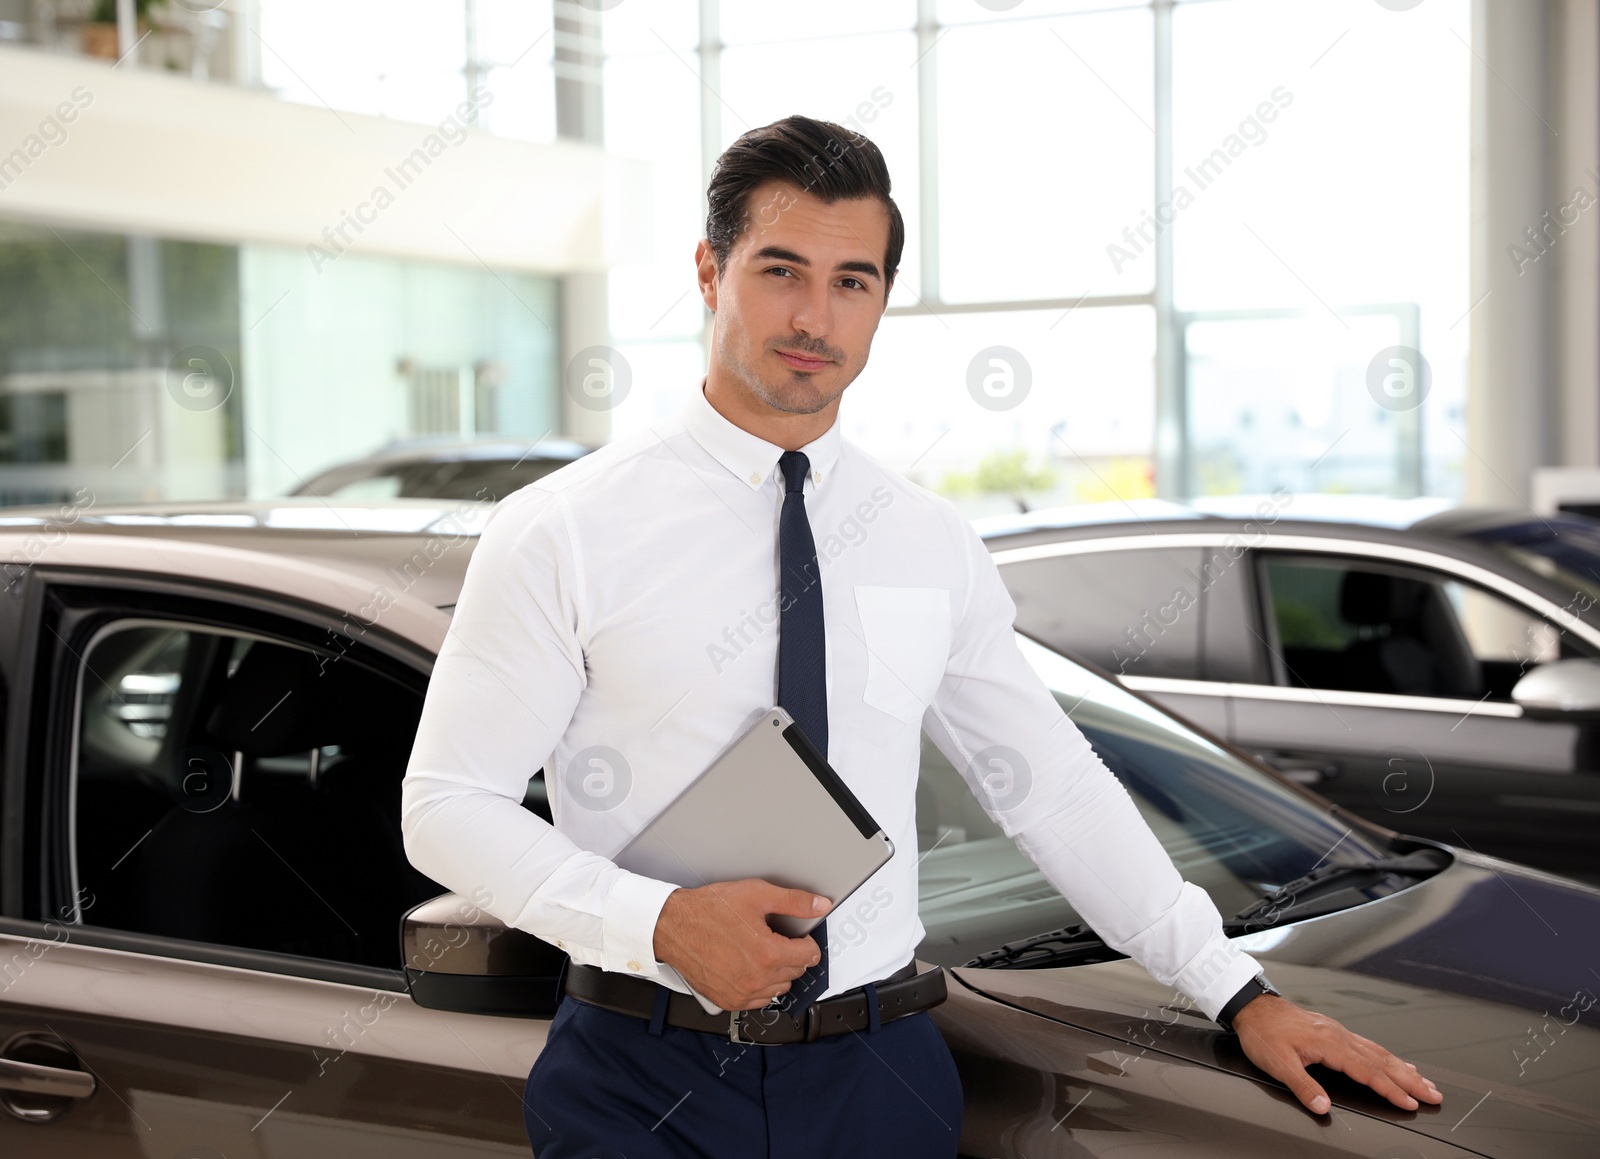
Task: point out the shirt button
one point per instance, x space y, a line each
560 944
754 479
632 965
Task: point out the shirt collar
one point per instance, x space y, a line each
749 457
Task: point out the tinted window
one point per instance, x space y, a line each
1228 827
242 792
1132 612
485 479
1370 627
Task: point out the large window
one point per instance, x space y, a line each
1191 231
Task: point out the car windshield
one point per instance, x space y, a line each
484 479
1564 548
1229 827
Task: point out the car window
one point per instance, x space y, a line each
240 791
1135 612
1365 626
1229 828
372 487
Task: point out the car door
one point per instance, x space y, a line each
1392 687
1165 614
202 878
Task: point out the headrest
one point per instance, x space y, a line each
1372 598
283 700
1365 597
268 706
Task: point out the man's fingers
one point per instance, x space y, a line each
1304 1087
1391 1077
1412 1081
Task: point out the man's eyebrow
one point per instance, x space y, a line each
778 253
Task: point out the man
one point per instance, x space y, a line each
624 619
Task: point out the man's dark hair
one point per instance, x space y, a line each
826 160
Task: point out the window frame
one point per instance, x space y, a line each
39 773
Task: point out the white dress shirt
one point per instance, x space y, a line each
618 626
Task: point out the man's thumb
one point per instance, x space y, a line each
798 903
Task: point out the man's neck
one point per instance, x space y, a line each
748 413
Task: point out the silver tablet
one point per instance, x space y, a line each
769 807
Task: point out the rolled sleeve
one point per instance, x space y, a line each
1074 819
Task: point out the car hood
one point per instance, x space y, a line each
1484 976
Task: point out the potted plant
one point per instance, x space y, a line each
100 32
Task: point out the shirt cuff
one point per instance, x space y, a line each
1216 974
628 924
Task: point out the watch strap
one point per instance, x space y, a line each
1250 991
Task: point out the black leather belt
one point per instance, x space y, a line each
901 993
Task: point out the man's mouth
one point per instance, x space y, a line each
804 361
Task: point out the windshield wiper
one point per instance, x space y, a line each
1322 884
1076 945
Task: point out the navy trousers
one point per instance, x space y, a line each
613 1086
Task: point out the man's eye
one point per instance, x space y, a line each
854 283
784 270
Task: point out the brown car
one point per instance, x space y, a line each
208 714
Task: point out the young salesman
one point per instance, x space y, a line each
627 617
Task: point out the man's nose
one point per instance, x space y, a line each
813 311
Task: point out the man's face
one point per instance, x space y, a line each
799 298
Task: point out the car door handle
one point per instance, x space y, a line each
36 1079
1302 771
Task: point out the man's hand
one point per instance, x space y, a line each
717 937
1282 1039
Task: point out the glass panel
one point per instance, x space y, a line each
867 84
1285 402
974 11
1299 133
653 113
634 28
515 46
367 350
1030 213
1134 613
935 403
91 409
214 804
1228 827
404 60
743 21
665 375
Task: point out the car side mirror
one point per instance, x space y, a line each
1561 690
460 957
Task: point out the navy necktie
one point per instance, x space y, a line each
802 680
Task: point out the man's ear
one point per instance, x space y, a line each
705 260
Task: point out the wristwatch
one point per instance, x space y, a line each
1250 991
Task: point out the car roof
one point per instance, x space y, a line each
384 543
1376 511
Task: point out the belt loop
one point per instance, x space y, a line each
658 1013
873 1018
561 979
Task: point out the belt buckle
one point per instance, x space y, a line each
735 1022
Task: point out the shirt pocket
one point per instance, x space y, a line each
907 636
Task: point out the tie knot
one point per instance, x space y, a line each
795 467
